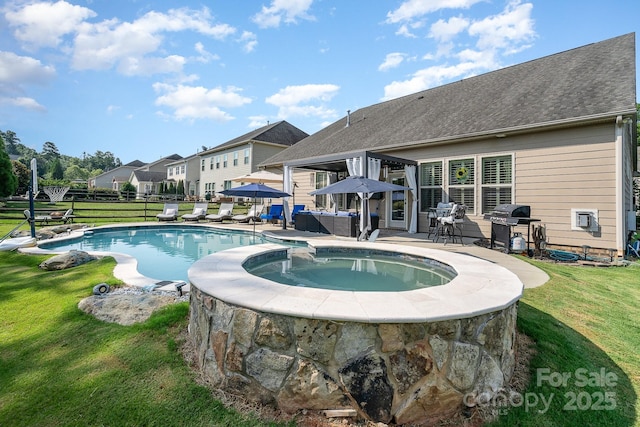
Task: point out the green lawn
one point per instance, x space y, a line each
60 367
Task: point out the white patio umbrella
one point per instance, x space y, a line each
259 177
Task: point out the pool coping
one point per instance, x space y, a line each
480 287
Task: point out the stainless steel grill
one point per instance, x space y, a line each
503 218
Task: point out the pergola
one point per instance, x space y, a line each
364 163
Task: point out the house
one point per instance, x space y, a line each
557 134
242 155
147 178
186 170
116 177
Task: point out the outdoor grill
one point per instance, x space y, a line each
504 218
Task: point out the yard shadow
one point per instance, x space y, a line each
572 381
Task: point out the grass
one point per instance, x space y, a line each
59 366
584 322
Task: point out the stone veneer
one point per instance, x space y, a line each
388 372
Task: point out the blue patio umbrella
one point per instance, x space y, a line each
363 186
255 191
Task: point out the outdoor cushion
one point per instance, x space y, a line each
170 212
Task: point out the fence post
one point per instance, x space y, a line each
145 208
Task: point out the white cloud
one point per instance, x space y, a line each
444 31
257 121
22 102
510 30
130 46
498 35
203 55
197 102
16 72
414 9
44 24
249 40
288 11
392 60
304 101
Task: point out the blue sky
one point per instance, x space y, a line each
145 80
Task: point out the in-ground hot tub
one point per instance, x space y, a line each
405 357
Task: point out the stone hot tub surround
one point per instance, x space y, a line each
403 357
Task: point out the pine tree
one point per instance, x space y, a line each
8 180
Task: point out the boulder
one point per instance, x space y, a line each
70 259
125 309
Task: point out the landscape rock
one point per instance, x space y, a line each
70 259
125 309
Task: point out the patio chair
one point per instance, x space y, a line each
54 217
449 224
441 210
224 212
274 215
294 212
252 215
169 213
199 212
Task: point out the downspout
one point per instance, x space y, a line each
621 215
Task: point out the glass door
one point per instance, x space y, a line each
397 203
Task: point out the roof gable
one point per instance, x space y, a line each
281 133
593 81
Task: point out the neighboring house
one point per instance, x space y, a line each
186 170
114 178
147 178
557 133
242 155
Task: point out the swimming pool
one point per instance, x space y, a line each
163 252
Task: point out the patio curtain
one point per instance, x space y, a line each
287 186
410 172
355 166
333 177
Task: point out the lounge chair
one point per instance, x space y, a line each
169 213
53 217
224 212
199 212
294 212
253 214
274 215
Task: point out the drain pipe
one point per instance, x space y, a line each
348 118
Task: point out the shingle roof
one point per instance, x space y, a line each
593 81
282 133
149 176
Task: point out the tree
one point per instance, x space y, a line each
11 141
24 176
55 169
76 172
50 151
8 180
180 190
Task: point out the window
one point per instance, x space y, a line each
227 185
430 185
462 182
211 163
320 182
182 169
246 156
235 158
217 162
497 178
224 161
202 165
170 171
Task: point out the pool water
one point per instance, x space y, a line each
338 271
164 252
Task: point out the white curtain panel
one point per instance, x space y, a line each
287 185
410 172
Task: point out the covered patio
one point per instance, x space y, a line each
369 164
